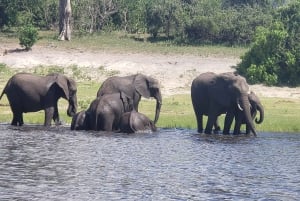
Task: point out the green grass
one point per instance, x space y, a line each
122 42
281 115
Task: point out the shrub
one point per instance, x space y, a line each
273 58
28 35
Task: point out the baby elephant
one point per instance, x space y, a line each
134 121
80 121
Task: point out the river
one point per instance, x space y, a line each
172 164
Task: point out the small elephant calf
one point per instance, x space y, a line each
134 121
80 121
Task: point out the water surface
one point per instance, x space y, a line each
172 164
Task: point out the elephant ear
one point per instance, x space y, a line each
141 84
63 82
127 101
219 90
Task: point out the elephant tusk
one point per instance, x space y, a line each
239 106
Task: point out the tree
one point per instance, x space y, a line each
273 58
64 19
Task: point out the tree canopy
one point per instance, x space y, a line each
184 21
274 56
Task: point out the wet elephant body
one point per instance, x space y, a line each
30 93
255 106
105 111
215 94
132 122
135 86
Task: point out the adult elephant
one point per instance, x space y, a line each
214 94
134 121
80 121
255 105
30 93
105 111
135 86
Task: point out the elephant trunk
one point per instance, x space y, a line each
260 108
245 104
158 106
72 108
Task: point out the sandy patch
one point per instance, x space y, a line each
174 72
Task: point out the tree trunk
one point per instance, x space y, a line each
64 19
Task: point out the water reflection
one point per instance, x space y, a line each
172 164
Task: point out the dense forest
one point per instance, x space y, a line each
270 27
184 21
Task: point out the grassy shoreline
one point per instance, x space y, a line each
281 114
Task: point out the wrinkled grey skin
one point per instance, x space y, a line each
134 121
105 111
135 86
215 94
240 117
30 93
80 121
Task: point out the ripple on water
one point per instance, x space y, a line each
172 164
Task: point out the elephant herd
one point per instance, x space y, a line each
115 107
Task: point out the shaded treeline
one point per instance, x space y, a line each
182 21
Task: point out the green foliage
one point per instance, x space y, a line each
273 58
201 29
28 35
230 22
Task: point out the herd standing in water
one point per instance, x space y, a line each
115 107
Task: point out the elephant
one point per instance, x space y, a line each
255 105
80 121
214 94
105 111
30 93
134 121
134 86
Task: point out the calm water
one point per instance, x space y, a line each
172 164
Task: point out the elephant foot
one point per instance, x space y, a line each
207 132
58 123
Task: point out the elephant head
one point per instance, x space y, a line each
256 105
149 87
68 86
134 121
80 121
236 91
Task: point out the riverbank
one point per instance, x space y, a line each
175 73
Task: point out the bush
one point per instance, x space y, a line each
28 35
273 58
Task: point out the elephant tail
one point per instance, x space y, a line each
3 92
5 88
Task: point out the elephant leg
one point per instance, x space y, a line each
210 122
211 119
56 116
17 117
199 118
237 127
217 126
200 123
227 123
247 130
49 113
